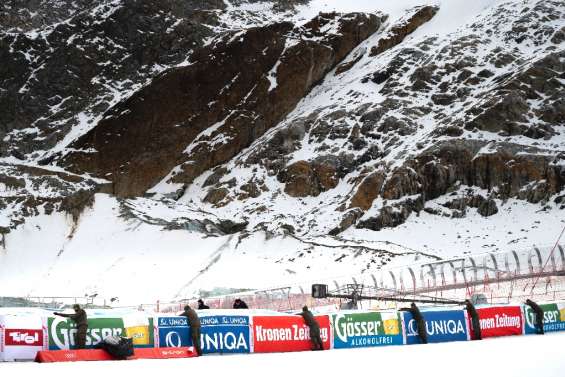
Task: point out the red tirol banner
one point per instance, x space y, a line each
287 333
500 321
23 337
101 355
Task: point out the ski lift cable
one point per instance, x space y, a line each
547 261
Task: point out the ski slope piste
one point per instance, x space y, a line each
23 333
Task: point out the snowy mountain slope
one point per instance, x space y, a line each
66 63
193 117
116 250
448 141
143 250
478 108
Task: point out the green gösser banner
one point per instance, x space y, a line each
553 317
62 332
367 329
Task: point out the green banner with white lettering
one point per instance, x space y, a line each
369 329
62 331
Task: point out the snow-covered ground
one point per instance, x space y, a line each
141 262
518 356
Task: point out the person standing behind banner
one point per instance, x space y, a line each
475 323
420 323
314 326
194 323
201 305
539 315
239 304
81 320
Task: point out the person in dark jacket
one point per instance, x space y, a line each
314 326
81 320
194 323
539 315
420 323
475 323
239 304
201 305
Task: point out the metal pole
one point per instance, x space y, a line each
397 299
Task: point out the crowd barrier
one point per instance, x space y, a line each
441 326
22 336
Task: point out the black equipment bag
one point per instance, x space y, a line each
117 346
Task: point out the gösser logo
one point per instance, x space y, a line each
345 327
24 337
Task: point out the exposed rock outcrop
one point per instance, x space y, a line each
404 27
203 114
52 191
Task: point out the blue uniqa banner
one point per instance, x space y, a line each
218 334
441 326
173 331
225 334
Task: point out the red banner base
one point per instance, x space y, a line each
101 355
164 353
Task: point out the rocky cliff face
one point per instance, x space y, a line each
474 117
315 126
230 93
65 63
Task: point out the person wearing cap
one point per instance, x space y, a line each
239 304
539 316
194 331
201 305
420 322
81 320
317 344
475 322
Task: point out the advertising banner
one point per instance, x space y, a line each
140 329
286 333
1 338
500 321
366 329
441 326
172 332
225 334
21 337
219 334
62 331
553 317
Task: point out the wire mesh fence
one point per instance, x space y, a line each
497 278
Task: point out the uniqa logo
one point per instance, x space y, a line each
173 339
221 340
439 327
